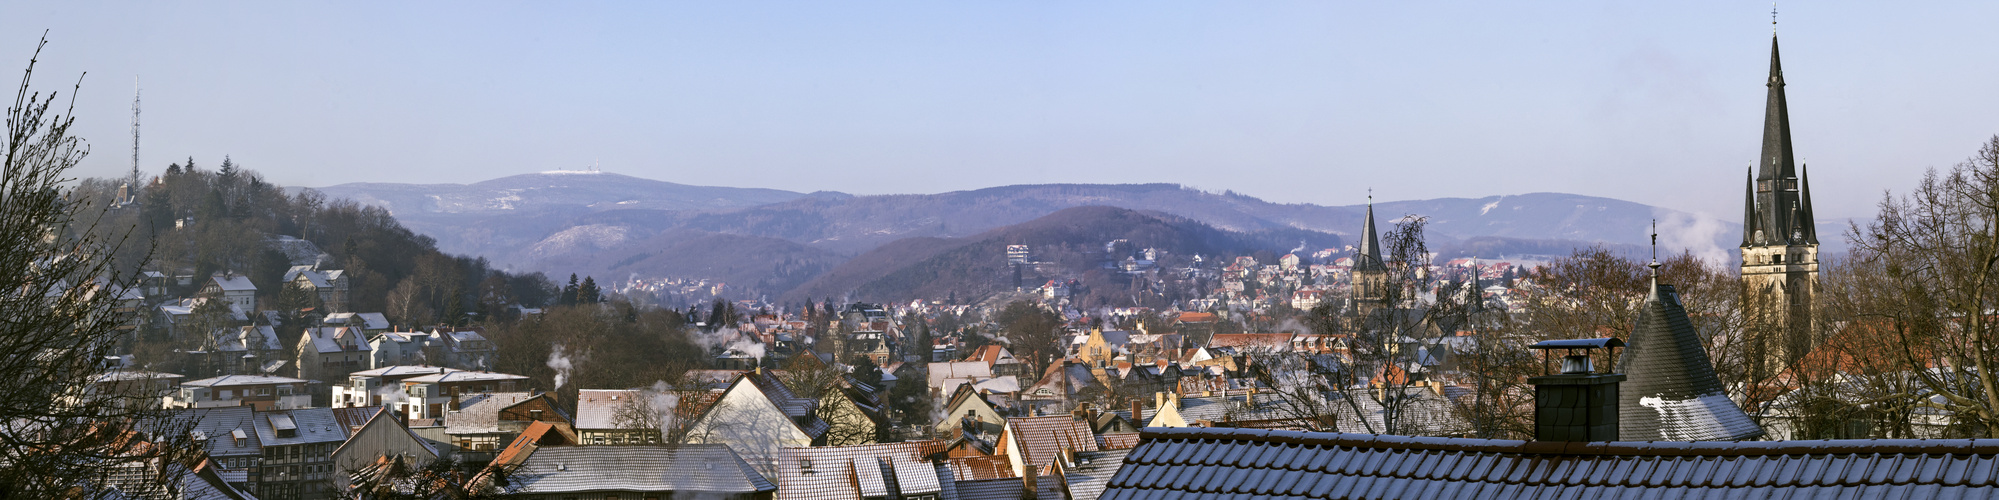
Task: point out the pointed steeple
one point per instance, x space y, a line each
1368 256
1670 391
1778 207
1749 206
1811 224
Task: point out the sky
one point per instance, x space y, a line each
1299 102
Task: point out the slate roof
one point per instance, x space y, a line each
247 338
314 425
1223 463
220 427
1670 392
1093 470
894 470
709 468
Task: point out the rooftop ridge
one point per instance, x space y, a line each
1599 448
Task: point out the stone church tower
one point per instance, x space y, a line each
1780 245
1370 273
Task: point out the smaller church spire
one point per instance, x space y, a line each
1368 256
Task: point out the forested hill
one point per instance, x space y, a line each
1070 242
196 221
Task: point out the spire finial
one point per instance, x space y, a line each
1655 252
1773 18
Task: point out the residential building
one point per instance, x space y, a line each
383 436
233 288
379 386
262 392
427 396
298 450
329 286
600 419
329 354
757 415
1038 441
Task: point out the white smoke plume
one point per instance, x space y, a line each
1693 233
664 402
748 347
559 360
1301 247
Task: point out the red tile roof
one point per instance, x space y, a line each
1041 439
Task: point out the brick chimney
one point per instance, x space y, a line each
1027 481
1577 403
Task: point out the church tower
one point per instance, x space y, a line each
1370 274
1780 244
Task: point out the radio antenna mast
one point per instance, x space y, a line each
135 133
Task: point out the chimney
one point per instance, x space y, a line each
1578 404
1027 481
1137 415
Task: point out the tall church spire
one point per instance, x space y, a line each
1779 241
1775 216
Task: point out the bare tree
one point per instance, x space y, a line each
1935 257
59 293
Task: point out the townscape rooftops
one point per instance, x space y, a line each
685 468
1287 464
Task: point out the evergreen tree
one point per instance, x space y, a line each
569 291
587 293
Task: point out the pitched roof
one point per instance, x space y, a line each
1670 392
308 425
234 283
240 380
894 470
636 468
1042 439
462 376
1285 464
480 413
980 468
598 408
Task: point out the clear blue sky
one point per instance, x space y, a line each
1656 102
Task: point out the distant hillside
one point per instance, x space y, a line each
750 265
574 222
1071 239
498 216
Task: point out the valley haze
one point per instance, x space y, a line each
615 226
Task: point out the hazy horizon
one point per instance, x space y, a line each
1288 102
